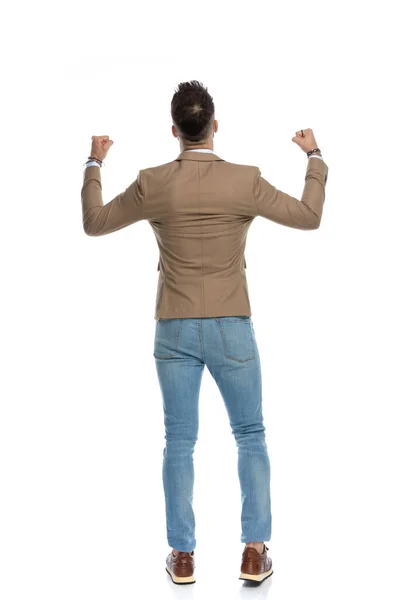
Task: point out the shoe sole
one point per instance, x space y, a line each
260 577
180 580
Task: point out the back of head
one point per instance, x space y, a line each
192 111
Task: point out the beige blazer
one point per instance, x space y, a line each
200 208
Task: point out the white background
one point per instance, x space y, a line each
81 428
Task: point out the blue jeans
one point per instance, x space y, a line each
228 347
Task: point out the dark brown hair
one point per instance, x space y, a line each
192 111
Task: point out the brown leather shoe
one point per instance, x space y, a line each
181 567
255 566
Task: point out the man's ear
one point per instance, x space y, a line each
174 131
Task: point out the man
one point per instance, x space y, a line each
200 208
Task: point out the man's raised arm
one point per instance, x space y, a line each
123 210
275 205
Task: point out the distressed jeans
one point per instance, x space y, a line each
228 347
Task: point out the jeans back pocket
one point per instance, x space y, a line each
237 338
166 339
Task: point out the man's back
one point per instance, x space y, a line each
200 208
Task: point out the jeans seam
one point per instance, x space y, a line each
200 338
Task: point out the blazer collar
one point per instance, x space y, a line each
202 156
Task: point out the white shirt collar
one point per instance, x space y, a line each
201 150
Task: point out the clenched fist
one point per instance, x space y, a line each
306 142
100 146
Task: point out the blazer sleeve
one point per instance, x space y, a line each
275 205
123 210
